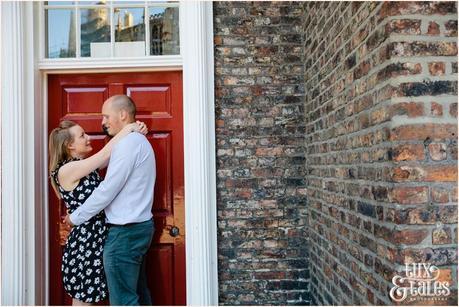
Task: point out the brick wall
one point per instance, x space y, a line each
336 148
260 153
381 150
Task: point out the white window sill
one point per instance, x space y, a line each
163 61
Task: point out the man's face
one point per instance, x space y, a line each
111 121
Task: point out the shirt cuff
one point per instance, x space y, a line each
75 219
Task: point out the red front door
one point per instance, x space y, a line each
158 97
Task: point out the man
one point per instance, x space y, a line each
126 194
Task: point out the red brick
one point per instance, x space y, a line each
440 173
441 236
454 192
426 254
451 28
409 152
424 131
243 193
379 116
423 49
427 215
370 296
382 232
433 29
220 123
437 151
218 40
453 150
436 109
407 173
276 151
440 195
404 26
453 109
409 195
409 236
445 275
394 8
399 69
359 37
246 298
437 68
445 173
411 109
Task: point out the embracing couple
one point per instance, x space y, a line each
111 220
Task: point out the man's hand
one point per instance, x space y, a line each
64 230
138 126
142 127
68 221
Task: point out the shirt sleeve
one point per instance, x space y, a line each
122 163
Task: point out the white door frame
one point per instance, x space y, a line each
24 189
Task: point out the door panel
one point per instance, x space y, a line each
158 97
163 200
84 99
144 95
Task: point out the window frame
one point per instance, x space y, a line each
111 61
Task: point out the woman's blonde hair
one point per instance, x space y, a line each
59 139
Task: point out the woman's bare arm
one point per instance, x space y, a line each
72 172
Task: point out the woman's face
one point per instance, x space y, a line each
81 145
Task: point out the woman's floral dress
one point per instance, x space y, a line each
82 268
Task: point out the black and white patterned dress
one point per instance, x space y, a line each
82 268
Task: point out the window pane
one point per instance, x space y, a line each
95 32
97 2
129 31
59 2
164 31
60 33
161 1
128 2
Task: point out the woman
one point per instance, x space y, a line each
74 177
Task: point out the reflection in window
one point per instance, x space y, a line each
60 33
164 31
95 32
128 2
101 28
129 31
129 24
99 2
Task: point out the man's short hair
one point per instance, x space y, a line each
124 102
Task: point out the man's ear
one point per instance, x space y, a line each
123 115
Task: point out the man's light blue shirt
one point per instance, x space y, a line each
127 191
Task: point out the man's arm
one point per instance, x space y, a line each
122 162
